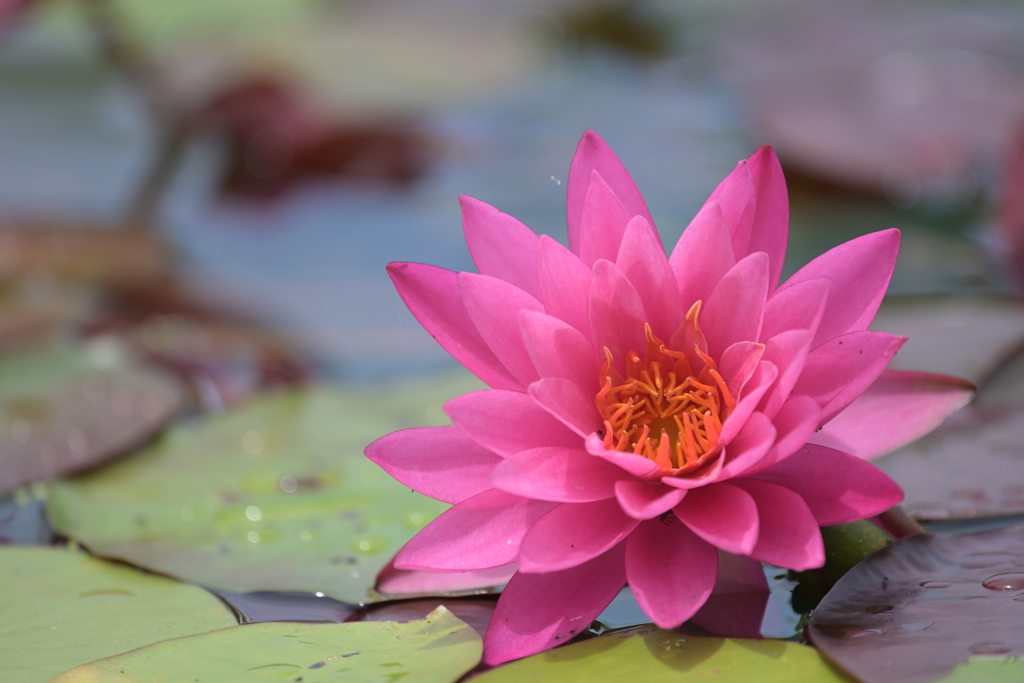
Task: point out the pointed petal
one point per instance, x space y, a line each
749 447
405 582
794 424
569 403
735 309
573 533
762 379
434 298
738 362
558 474
670 571
837 487
703 255
593 154
642 259
507 422
860 270
723 515
797 307
899 407
617 314
494 307
642 500
482 532
500 245
440 462
637 465
559 350
539 611
770 231
788 535
788 351
737 196
841 369
564 284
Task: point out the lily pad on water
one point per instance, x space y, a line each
438 649
276 496
651 655
923 605
61 609
64 410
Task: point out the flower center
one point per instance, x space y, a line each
664 408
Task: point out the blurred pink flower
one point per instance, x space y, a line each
648 410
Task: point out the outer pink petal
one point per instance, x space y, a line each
507 422
900 407
860 270
617 314
536 612
737 603
795 422
670 571
434 298
557 474
564 399
440 462
593 154
559 350
735 308
770 231
788 351
500 245
788 536
564 283
642 259
738 363
762 379
837 487
482 532
604 222
797 307
841 369
573 533
723 515
749 447
737 196
642 500
703 255
404 582
637 465
494 306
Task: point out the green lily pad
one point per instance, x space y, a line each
438 649
276 496
62 609
64 410
652 655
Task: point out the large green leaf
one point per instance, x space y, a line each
275 496
438 649
652 655
61 609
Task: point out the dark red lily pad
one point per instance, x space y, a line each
68 410
921 606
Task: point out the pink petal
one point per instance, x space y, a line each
738 362
797 307
404 582
788 536
749 447
770 231
482 532
507 422
617 314
500 245
642 259
737 196
837 487
593 154
899 407
536 612
841 369
670 571
564 399
762 379
604 222
559 350
707 474
860 270
794 424
703 255
440 462
788 351
737 603
642 500
434 298
735 308
564 283
723 515
494 306
558 474
573 533
637 465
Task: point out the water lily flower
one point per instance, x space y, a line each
648 410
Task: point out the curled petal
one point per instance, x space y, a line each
642 259
500 245
507 422
738 363
788 535
723 515
558 349
735 309
569 403
494 306
749 447
796 307
642 500
788 351
762 379
637 465
617 315
573 533
794 424
559 474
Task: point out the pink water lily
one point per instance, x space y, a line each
648 411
